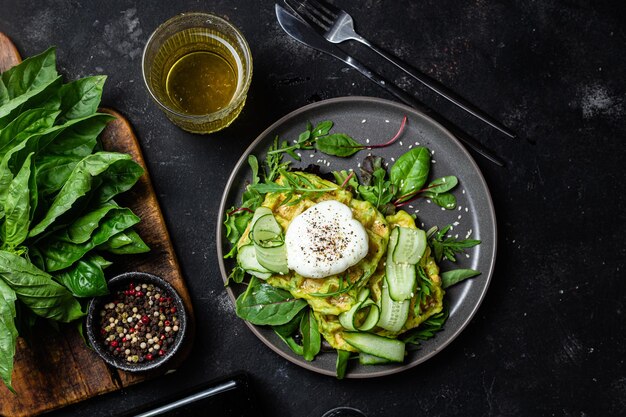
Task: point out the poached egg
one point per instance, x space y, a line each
325 240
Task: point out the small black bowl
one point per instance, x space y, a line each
122 282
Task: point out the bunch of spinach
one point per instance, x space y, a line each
57 213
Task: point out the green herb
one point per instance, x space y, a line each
338 144
454 276
263 304
287 332
409 173
343 287
293 185
447 247
342 363
427 329
311 340
56 210
305 141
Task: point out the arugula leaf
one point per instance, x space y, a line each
380 193
448 247
8 333
409 173
86 277
427 329
263 304
311 340
37 290
454 276
293 184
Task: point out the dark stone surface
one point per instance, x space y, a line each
549 338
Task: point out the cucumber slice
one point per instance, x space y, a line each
272 258
367 359
390 349
348 318
409 245
401 279
265 230
393 314
246 258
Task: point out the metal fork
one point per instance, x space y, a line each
337 26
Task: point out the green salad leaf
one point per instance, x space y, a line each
57 214
264 304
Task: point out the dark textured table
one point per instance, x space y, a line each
549 338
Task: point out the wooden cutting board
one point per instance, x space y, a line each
58 368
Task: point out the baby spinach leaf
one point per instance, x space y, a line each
264 304
8 332
311 340
37 290
454 276
81 97
445 200
410 171
18 207
342 363
59 252
28 75
80 183
443 184
337 144
86 277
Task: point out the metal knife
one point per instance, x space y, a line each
303 33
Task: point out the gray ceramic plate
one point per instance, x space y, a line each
376 120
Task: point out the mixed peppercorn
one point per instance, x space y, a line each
139 324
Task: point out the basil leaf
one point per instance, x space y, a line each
78 137
80 183
311 340
338 144
86 277
410 171
81 229
37 290
81 97
26 124
8 333
264 304
450 278
17 207
342 363
125 243
27 76
52 172
44 96
119 177
59 252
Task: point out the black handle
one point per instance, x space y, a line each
411 101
